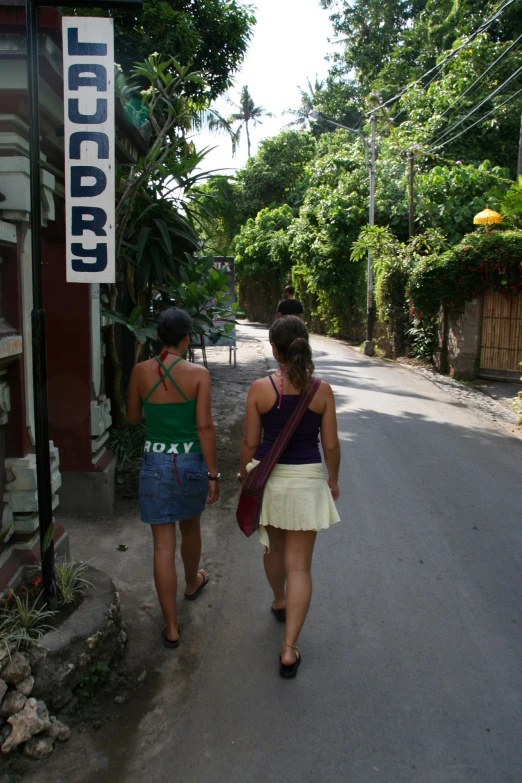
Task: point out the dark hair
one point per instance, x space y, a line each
289 290
173 325
290 336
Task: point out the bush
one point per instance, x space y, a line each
483 261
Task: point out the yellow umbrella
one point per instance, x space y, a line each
486 217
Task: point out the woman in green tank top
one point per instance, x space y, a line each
179 475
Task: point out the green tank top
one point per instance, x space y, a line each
170 427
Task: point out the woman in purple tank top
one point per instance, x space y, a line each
298 499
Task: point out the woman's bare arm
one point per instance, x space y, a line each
252 436
204 423
134 404
330 442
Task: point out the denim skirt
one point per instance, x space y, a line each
173 487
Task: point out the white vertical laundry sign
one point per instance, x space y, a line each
88 66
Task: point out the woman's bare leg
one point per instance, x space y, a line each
299 548
191 552
274 563
165 577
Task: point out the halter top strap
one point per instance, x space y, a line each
169 376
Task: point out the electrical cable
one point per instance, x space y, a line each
450 54
513 43
477 107
468 89
477 122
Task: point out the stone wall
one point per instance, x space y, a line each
92 634
459 339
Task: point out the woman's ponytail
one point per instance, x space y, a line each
290 336
299 364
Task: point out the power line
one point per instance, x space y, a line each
478 106
477 122
450 54
481 76
477 80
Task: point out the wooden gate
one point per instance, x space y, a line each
501 348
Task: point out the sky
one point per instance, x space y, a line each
288 46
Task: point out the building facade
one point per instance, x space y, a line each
79 412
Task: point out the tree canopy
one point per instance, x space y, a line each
210 35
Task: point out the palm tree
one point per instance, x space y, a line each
247 112
309 101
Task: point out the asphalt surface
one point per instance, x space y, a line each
412 652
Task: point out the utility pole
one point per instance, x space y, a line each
369 347
41 421
411 162
519 167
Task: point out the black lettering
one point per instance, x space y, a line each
76 139
80 172
98 80
83 49
80 224
88 119
99 253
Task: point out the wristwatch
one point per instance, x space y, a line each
214 478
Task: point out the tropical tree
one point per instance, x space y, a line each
211 36
276 174
310 99
247 112
155 226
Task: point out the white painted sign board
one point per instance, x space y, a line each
88 71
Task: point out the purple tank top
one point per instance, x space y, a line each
303 447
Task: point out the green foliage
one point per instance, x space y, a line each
394 262
247 112
127 445
22 622
511 207
135 324
203 292
450 196
262 245
219 213
277 173
370 30
97 675
483 261
334 210
389 44
212 35
71 581
424 338
49 537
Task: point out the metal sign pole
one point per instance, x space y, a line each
41 420
41 423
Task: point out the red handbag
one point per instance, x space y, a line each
248 511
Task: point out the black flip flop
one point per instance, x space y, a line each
171 645
289 671
279 614
204 583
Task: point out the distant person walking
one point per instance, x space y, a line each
289 305
298 499
179 472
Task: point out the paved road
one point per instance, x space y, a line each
412 654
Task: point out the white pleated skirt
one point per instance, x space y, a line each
296 497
